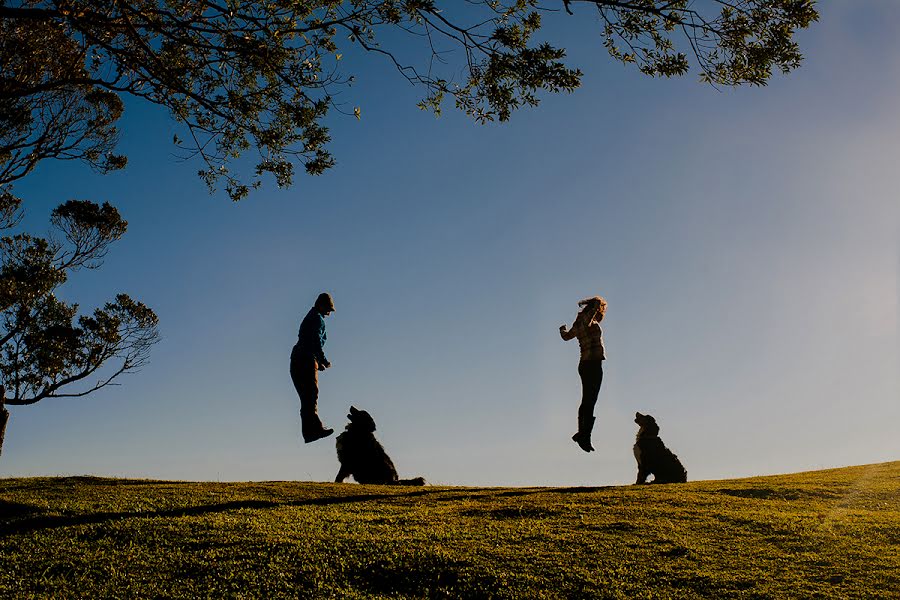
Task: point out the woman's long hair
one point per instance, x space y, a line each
595 305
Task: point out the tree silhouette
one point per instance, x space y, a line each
46 349
262 75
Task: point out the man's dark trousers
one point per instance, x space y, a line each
305 375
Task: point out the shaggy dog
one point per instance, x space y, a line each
653 456
363 457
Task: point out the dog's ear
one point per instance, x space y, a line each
353 410
638 415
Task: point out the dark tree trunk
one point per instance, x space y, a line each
4 417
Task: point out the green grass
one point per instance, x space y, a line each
829 534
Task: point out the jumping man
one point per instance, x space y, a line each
307 359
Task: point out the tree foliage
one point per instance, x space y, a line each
46 348
262 75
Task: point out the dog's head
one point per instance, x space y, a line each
647 424
360 420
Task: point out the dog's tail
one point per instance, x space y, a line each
416 481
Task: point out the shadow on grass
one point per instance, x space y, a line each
16 518
516 493
423 575
761 494
512 512
35 523
584 490
785 493
15 510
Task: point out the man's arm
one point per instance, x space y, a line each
320 352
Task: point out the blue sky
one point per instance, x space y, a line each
746 241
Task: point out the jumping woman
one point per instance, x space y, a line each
590 339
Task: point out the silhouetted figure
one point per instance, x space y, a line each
590 368
653 458
307 359
4 416
363 457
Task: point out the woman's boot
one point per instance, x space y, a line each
583 437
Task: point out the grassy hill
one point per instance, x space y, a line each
831 534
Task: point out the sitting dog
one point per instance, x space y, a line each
653 456
363 457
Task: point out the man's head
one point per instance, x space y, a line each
324 304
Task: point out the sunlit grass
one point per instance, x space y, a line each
831 534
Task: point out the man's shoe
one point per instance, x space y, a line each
583 442
318 435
